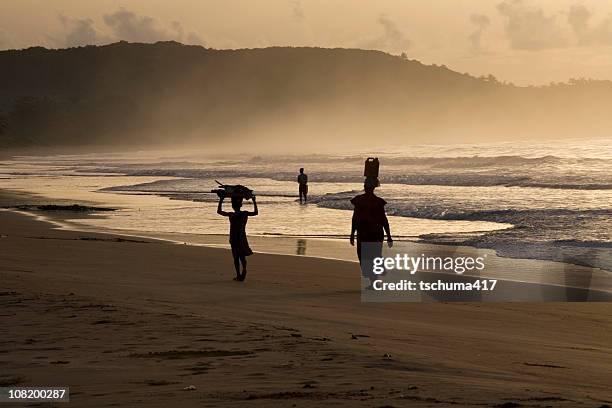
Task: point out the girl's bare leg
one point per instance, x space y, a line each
237 267
244 268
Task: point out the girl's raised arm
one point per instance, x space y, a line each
255 210
220 208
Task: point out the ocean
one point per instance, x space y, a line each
548 200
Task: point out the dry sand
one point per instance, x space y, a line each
129 322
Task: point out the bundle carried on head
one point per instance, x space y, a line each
233 191
370 172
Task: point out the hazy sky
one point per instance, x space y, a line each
523 41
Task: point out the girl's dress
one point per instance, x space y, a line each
237 237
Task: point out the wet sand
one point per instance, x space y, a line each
133 322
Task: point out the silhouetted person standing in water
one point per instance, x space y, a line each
370 222
237 236
302 180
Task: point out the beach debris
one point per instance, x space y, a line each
543 365
7 381
181 354
56 207
103 321
190 388
387 356
118 239
290 329
157 383
509 404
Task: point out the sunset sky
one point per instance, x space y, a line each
523 41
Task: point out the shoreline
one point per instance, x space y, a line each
421 231
339 250
583 258
519 270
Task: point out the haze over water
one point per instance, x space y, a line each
558 195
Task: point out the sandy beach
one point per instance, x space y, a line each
426 213
140 322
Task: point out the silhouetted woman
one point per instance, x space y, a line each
370 223
237 237
369 218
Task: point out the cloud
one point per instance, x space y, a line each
481 23
392 38
5 43
528 28
602 33
298 10
193 39
81 32
122 25
579 18
127 25
186 38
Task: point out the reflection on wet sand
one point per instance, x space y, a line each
301 247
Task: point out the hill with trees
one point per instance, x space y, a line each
169 93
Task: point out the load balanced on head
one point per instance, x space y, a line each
370 172
239 191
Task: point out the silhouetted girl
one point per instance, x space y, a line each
237 237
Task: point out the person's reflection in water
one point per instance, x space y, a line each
370 223
578 282
301 247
